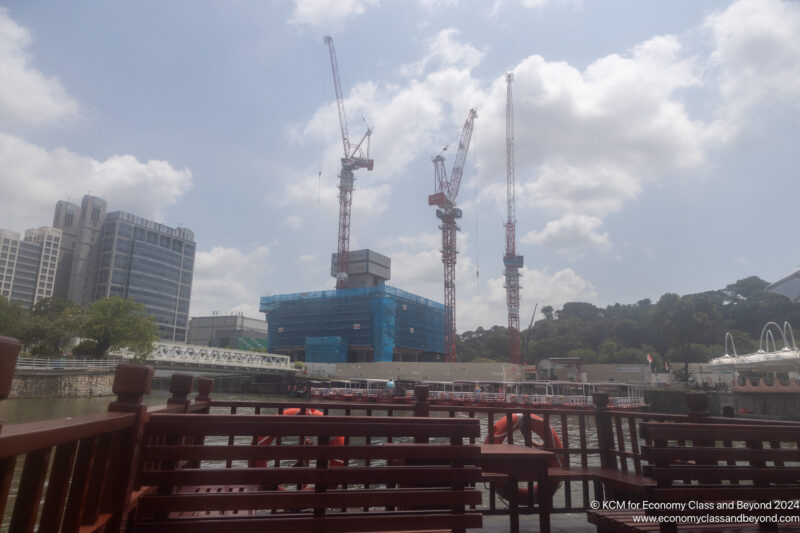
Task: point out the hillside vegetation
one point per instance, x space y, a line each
689 328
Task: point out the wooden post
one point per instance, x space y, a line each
131 383
205 386
605 433
180 385
9 351
421 407
697 402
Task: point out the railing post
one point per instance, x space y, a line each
605 433
697 402
180 385
9 351
205 386
421 407
131 383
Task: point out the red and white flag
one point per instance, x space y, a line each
650 359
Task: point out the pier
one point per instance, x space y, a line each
102 472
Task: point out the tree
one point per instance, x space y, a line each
12 318
117 322
53 322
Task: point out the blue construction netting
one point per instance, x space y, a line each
326 350
381 317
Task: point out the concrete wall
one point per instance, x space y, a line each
62 385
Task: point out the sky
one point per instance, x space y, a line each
656 142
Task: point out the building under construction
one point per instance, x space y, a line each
370 321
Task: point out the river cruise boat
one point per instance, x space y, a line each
488 393
361 389
532 393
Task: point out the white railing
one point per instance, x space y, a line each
626 402
190 354
42 363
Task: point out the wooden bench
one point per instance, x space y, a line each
715 469
203 483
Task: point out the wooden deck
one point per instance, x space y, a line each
84 473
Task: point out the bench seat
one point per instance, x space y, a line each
422 482
716 465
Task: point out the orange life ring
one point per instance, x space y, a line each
266 440
537 426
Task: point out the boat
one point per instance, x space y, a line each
359 389
530 393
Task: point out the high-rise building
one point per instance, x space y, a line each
151 263
121 254
28 264
81 228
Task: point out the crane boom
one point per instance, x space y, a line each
337 86
461 156
445 200
355 157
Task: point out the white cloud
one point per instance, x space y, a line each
229 280
539 286
33 179
757 54
537 4
433 5
571 234
599 189
328 13
444 51
26 95
293 222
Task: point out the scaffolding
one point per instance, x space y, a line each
373 319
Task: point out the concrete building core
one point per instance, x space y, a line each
366 268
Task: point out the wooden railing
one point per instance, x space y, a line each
77 474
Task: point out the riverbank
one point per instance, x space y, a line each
61 383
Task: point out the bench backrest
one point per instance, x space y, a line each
734 463
318 473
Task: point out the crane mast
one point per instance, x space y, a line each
356 156
445 200
511 260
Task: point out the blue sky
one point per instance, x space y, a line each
655 141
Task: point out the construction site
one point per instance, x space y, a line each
365 320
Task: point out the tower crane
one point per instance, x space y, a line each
445 200
511 260
356 156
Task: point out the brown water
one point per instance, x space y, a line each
19 410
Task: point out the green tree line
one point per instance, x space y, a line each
676 329
105 324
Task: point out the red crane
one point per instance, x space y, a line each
511 260
445 200
355 157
